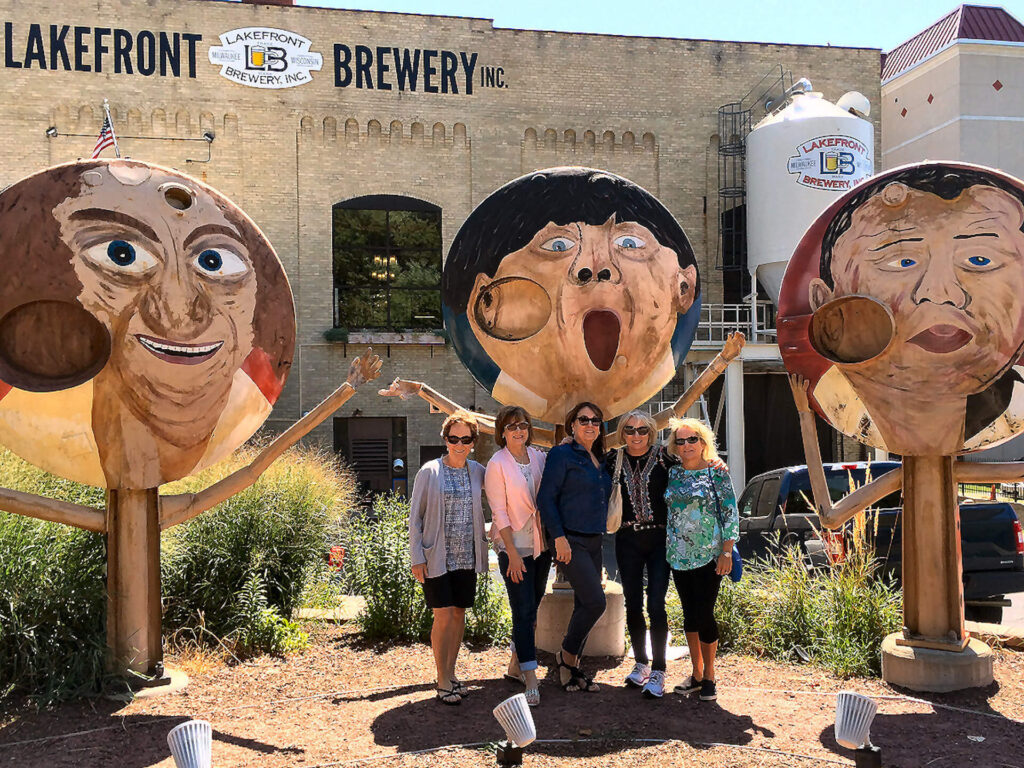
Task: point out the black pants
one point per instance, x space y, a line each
524 599
584 574
698 591
636 551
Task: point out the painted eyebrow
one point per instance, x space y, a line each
897 242
212 229
116 217
977 234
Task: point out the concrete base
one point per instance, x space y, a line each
174 680
608 638
924 669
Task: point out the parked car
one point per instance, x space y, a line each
776 508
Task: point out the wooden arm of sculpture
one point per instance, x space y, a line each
405 389
831 515
53 510
182 507
997 472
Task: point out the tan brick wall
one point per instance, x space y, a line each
287 155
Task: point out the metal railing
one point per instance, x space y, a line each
992 491
717 321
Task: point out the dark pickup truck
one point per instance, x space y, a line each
775 509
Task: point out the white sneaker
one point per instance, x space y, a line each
655 685
639 675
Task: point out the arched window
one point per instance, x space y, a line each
387 263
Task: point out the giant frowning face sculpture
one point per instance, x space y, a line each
939 249
571 284
173 316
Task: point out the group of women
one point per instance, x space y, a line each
679 519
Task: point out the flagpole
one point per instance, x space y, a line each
106 112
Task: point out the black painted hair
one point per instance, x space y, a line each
943 181
508 219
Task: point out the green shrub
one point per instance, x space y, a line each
838 616
377 567
240 570
52 609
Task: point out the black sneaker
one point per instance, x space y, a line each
690 685
708 692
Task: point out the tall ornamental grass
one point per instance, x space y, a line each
837 616
231 577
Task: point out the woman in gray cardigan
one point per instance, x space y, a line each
448 544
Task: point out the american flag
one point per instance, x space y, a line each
106 138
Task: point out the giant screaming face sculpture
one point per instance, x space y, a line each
571 284
146 324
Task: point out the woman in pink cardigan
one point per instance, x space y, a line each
511 483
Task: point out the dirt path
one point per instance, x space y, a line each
342 701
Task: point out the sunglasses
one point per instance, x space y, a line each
692 440
453 440
584 420
636 430
519 425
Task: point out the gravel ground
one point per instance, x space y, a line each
344 702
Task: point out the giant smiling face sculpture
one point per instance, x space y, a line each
146 328
571 284
928 368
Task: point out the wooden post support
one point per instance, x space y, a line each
933 593
133 581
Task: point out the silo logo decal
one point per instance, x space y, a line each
260 57
831 162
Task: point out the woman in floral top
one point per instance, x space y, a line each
703 525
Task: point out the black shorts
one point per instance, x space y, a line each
455 589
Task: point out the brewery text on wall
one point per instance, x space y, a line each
100 49
427 70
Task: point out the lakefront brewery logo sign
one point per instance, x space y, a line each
831 162
261 57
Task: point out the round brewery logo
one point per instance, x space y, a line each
261 57
831 162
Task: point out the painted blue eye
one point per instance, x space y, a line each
905 263
558 244
629 241
121 252
979 261
210 260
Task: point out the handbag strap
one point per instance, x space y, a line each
618 467
718 503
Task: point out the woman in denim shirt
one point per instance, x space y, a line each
703 525
573 504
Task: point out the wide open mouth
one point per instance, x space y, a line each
601 336
942 339
182 354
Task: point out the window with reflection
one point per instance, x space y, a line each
387 263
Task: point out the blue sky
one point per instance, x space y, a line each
869 23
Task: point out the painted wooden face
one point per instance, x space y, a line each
188 315
567 309
939 250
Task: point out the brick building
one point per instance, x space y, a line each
321 123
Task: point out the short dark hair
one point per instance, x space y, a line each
570 417
508 219
507 415
945 181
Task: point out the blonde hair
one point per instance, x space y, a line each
644 418
461 417
710 452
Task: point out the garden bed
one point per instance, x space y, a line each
343 701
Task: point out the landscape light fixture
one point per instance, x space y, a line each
854 715
209 136
190 744
52 131
516 719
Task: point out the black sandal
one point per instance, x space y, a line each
460 688
577 680
449 697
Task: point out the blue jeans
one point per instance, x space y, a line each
635 552
524 599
